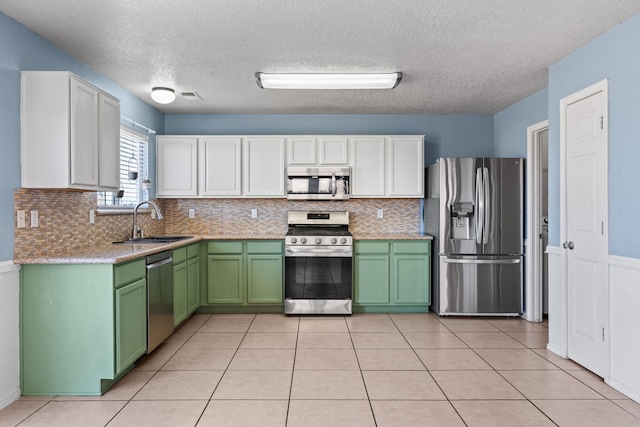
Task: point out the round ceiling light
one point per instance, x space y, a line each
163 95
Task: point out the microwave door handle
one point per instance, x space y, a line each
333 185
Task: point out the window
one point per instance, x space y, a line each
134 159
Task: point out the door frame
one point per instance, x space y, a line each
533 258
601 86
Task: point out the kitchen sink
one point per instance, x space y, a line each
154 239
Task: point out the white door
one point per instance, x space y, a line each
586 241
84 134
109 137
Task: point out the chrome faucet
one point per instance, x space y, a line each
136 231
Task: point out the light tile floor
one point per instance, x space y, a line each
361 370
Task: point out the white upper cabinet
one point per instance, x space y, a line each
263 166
405 166
254 166
220 166
177 166
317 151
368 166
333 150
109 167
301 150
70 133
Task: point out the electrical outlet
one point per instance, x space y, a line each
254 213
92 216
192 213
20 216
34 219
380 213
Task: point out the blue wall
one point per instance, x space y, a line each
613 56
445 135
510 125
21 49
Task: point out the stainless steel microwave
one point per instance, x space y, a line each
318 183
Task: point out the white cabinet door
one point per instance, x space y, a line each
177 166
301 150
220 166
405 167
84 134
333 150
367 173
263 166
109 140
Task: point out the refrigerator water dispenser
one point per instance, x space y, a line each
462 224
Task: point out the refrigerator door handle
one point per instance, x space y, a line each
481 261
480 206
487 205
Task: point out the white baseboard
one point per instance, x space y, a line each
624 318
9 334
9 398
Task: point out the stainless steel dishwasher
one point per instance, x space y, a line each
159 298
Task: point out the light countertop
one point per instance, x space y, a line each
118 253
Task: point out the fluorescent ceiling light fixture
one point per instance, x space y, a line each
328 81
163 95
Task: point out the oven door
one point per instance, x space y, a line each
323 273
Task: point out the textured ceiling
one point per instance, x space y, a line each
456 56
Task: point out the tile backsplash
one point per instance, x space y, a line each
233 216
64 218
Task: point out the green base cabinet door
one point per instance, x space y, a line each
225 281
131 324
193 284
180 310
410 279
264 279
372 279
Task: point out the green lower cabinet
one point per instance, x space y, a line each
411 279
180 309
225 279
131 324
186 282
392 276
193 284
371 279
264 279
244 276
82 326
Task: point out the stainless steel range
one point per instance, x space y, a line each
318 263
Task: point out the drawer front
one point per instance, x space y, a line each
193 250
219 247
264 247
179 255
130 272
371 247
412 247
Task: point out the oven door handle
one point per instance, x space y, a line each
319 251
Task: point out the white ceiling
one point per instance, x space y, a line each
457 56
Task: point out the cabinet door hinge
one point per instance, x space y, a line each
602 334
602 228
601 122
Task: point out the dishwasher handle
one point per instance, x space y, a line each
159 263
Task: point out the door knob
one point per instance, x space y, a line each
568 245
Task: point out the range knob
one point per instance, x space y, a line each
343 240
303 240
294 240
318 240
334 240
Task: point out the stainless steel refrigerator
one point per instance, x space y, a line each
474 210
